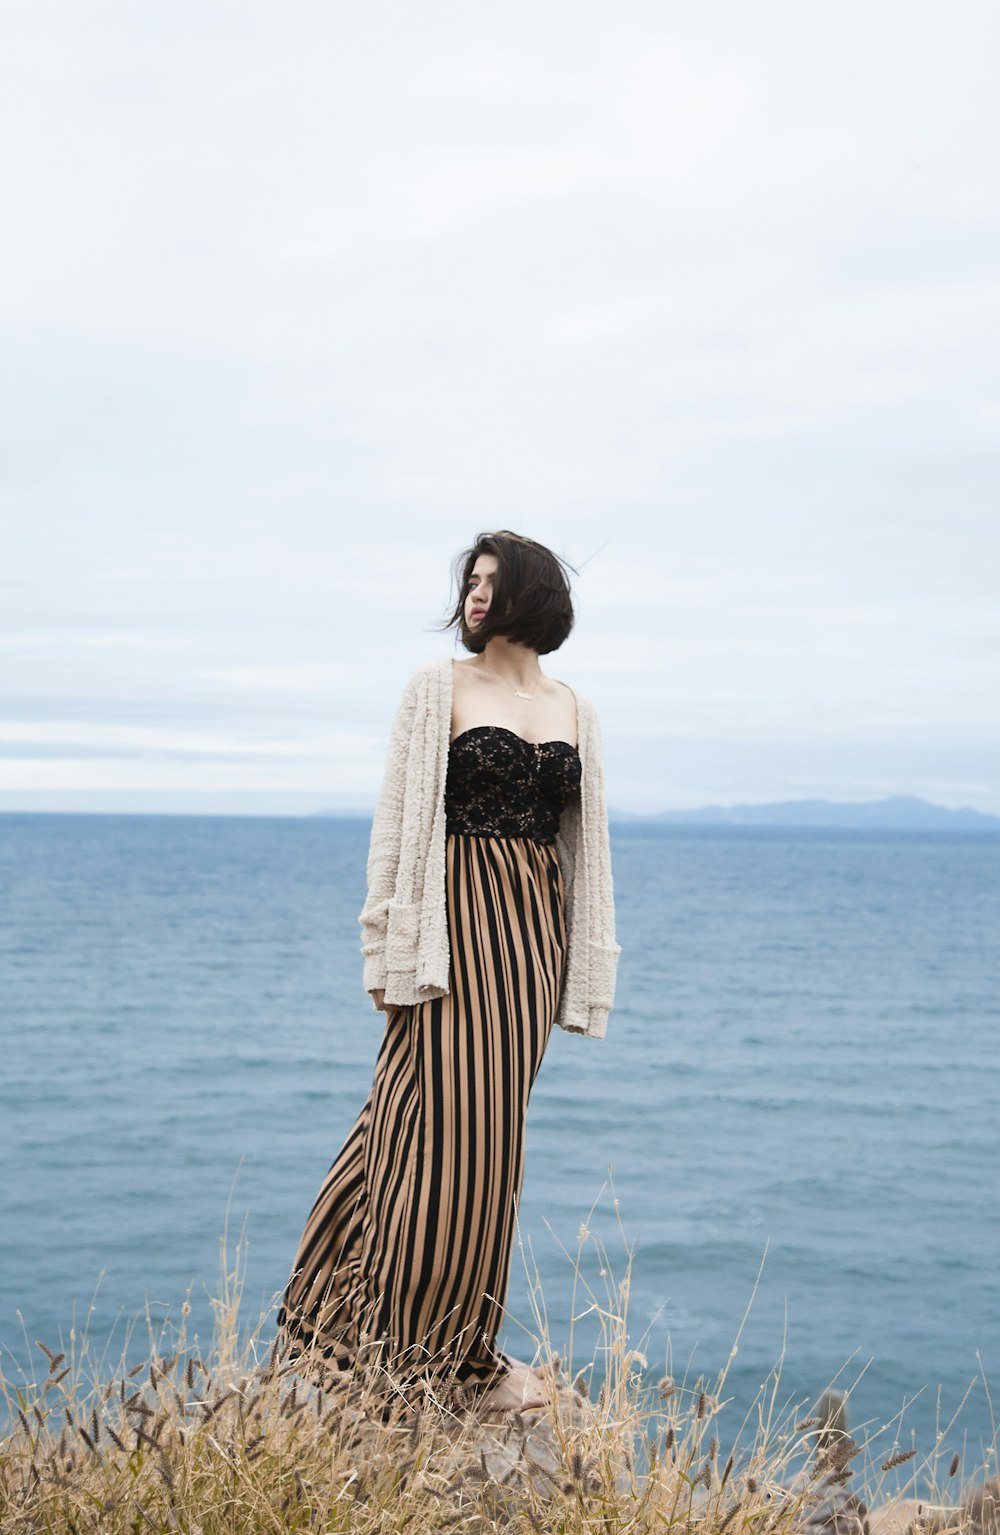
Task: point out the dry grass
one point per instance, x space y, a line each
241 1442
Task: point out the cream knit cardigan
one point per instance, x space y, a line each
405 922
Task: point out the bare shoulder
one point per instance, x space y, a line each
563 719
565 692
463 671
575 702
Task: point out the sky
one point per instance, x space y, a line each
298 298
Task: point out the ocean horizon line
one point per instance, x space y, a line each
903 812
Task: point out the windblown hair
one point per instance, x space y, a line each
531 602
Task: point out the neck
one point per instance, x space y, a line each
518 663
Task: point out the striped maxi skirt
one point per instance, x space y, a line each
406 1252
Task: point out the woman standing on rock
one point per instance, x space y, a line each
489 918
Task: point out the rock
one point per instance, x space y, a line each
981 1509
977 1514
826 1505
900 1515
484 1466
512 1460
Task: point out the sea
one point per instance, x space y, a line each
778 1172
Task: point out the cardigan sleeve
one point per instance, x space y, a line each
384 846
604 948
585 857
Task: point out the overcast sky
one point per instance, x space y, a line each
298 298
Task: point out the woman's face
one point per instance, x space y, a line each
479 591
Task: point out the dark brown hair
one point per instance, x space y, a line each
531 602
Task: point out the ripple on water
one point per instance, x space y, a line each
800 1074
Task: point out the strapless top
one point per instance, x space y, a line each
498 784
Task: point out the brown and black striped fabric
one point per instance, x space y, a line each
407 1248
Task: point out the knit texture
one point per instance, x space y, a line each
405 919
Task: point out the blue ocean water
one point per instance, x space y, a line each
800 1081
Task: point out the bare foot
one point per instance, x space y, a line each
543 1372
518 1389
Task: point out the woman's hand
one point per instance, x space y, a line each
378 997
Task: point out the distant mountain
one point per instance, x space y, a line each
900 811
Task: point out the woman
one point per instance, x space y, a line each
489 917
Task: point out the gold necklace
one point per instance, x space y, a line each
516 691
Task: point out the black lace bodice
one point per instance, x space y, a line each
498 784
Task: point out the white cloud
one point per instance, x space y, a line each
72 776
53 640
151 740
305 678
297 301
